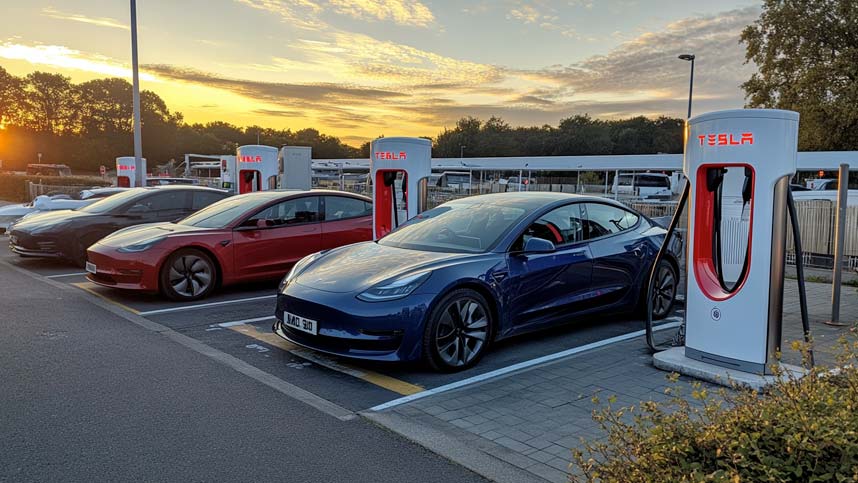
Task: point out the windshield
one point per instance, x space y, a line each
459 227
112 202
224 212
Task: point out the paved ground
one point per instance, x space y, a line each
531 419
200 380
89 396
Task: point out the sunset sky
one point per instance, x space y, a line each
363 68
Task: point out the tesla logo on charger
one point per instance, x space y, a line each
126 168
389 155
246 158
724 139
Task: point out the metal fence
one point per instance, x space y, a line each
36 189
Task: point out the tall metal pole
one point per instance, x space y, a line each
840 231
690 88
138 138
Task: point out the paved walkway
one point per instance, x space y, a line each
531 419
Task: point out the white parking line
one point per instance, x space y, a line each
203 306
245 321
76 274
518 366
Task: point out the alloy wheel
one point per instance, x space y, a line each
190 275
461 332
664 292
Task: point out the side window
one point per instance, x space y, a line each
290 212
340 208
603 219
561 226
164 201
202 199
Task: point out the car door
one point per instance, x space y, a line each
160 206
619 252
346 220
269 242
549 287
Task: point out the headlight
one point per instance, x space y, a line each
297 269
140 247
394 289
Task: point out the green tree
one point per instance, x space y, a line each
806 52
11 93
51 103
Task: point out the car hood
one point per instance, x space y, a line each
355 268
19 209
140 233
49 219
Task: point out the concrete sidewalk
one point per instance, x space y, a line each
531 419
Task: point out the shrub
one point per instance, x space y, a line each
800 430
13 187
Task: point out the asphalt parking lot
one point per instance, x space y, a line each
237 321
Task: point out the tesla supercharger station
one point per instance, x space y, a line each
295 165
739 164
129 173
227 172
399 172
256 168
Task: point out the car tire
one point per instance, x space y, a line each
187 274
664 294
458 331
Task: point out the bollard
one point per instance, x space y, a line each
839 240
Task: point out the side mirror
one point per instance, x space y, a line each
263 223
538 245
136 209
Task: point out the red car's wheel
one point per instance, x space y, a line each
188 274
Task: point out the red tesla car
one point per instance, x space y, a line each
254 236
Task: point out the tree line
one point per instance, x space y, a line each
89 124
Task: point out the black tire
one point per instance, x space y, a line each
448 345
187 274
664 293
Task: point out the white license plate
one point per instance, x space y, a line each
90 267
300 323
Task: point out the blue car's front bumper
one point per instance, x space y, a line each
382 331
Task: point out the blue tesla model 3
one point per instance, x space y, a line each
454 279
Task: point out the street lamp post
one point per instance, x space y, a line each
138 140
462 151
689 57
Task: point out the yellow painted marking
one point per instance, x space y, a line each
381 380
89 286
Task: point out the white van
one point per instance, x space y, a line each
643 185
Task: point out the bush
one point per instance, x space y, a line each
800 430
13 187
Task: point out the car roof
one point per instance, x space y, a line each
288 193
182 187
531 199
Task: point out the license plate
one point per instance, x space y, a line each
300 323
90 267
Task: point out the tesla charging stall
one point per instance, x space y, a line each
130 174
399 172
295 166
738 164
257 168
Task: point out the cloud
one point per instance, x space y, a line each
402 12
99 21
59 56
648 63
306 13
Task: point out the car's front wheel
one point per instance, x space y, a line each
458 331
188 274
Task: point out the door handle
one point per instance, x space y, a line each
580 251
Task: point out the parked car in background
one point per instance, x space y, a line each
822 189
66 234
254 236
456 278
163 181
652 186
10 214
38 169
